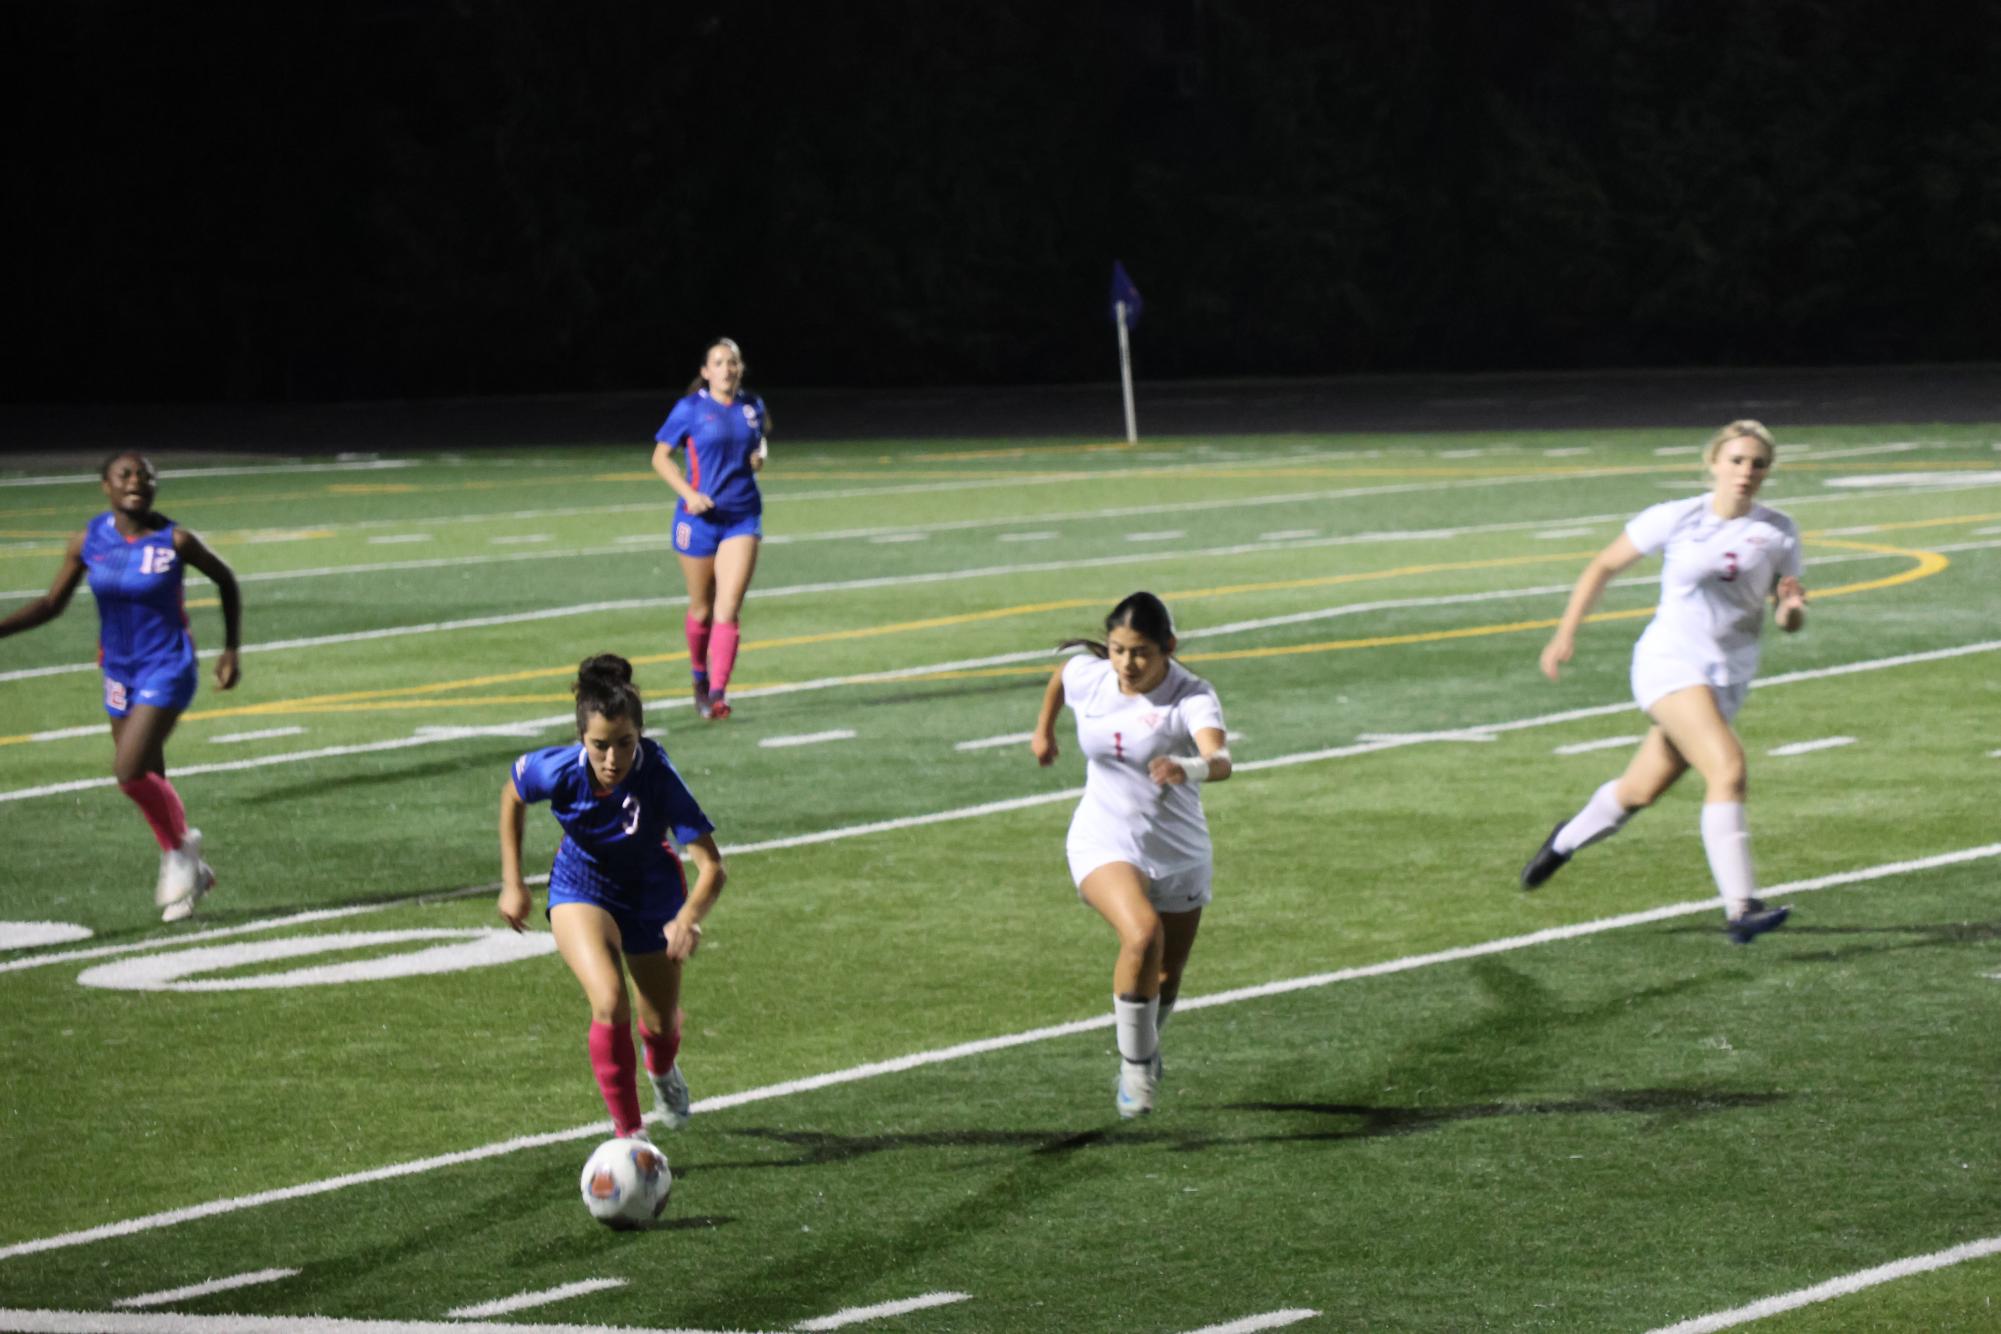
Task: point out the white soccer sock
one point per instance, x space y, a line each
1727 840
1138 1027
1601 818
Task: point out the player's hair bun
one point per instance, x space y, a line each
604 687
605 667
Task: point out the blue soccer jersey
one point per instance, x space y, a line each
142 621
615 846
720 441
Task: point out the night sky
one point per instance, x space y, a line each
309 202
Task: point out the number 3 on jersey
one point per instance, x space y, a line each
631 809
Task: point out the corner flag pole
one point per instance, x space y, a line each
1126 306
1126 374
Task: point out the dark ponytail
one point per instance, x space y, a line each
604 687
1142 613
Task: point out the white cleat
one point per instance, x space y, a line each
179 869
1135 1096
183 908
670 1096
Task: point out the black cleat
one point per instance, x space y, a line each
1547 860
1756 921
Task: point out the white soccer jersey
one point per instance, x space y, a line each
1716 575
1124 812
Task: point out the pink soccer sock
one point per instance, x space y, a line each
698 647
617 1069
161 806
722 656
661 1049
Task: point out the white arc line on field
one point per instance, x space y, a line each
808 738
523 1301
1837 1287
1808 747
171 1295
1250 1324
975 1047
854 1315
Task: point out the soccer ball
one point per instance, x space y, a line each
626 1183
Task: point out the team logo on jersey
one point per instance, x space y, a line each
750 414
1152 721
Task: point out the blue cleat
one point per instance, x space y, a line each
1756 920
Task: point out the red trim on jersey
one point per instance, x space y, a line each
694 462
674 856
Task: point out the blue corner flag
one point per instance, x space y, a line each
1123 290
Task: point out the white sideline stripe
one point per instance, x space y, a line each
1289 535
976 1047
988 742
942 576
393 539
1024 537
807 738
522 1301
1250 1324
170 1295
1562 534
265 735
149 1322
237 470
1571 452
854 1315
1808 747
887 539
1460 734
556 720
1602 743
1838 1287
1164 535
518 539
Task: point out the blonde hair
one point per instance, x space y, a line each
1738 430
743 367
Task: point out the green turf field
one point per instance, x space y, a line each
1400 1094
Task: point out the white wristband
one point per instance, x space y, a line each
1196 768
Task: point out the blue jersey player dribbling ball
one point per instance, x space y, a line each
718 512
618 898
135 559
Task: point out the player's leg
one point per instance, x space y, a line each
1694 722
656 983
1177 937
1117 892
1653 770
699 574
736 561
588 938
139 763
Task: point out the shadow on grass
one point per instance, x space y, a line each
1919 936
1371 1122
493 759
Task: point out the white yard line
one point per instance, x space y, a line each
1025 537
989 742
1837 1287
237 470
855 1315
1602 743
1164 535
162 1322
1808 747
978 1047
552 721
807 739
1250 1324
170 1295
523 1301
267 734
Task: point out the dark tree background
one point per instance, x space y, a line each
307 201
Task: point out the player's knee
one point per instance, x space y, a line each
1728 778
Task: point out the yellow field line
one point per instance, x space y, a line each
1926 564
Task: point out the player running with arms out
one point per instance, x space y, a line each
1725 555
618 899
1152 733
136 559
718 512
